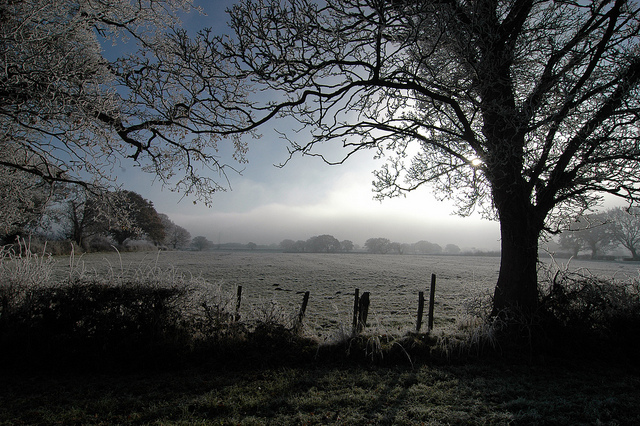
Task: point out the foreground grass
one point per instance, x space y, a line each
475 393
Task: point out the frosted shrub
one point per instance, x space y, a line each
212 311
19 266
272 313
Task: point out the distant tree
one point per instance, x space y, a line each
300 246
143 219
425 247
625 225
176 236
592 232
452 249
346 245
201 243
570 240
251 245
287 245
83 216
377 245
323 244
527 110
397 248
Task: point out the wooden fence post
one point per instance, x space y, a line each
238 300
420 310
305 300
363 311
432 295
356 304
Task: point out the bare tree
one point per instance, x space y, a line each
70 114
176 236
83 217
593 232
527 110
626 228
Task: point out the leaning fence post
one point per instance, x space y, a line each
356 304
420 310
432 295
303 308
363 311
238 300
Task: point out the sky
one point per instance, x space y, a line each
307 197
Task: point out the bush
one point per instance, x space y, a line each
586 316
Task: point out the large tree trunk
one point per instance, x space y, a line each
517 287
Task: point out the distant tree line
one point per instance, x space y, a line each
93 222
384 246
330 244
600 233
317 244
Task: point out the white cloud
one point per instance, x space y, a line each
345 209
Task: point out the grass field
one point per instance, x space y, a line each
499 388
393 281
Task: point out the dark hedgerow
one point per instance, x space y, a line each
586 316
133 325
90 323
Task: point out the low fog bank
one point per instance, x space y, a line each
272 228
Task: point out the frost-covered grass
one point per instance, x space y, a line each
164 343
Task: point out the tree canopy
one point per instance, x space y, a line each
86 85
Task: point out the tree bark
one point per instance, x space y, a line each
517 286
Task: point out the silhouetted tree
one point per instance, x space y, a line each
592 232
83 217
143 219
175 236
525 109
625 224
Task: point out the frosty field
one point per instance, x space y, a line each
392 280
